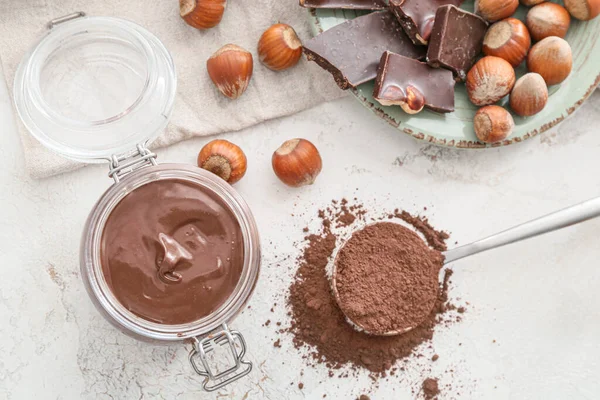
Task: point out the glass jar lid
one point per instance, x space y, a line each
95 87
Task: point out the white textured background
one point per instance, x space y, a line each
538 300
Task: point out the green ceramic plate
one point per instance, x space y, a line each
456 129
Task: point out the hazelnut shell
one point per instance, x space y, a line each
529 96
552 59
297 162
279 47
548 19
202 14
493 124
508 39
584 10
495 10
230 69
490 79
223 159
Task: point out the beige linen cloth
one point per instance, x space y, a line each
200 109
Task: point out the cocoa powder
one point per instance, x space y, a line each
318 322
387 278
430 388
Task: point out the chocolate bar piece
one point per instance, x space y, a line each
396 73
345 4
417 16
351 51
456 40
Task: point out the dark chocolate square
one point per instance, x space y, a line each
456 40
351 51
397 72
417 16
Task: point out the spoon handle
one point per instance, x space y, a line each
548 223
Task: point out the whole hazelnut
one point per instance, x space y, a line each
279 47
202 14
552 59
507 39
493 124
583 9
548 19
530 95
495 10
297 162
230 69
490 79
224 159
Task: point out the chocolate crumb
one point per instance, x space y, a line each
268 322
277 343
364 397
461 310
430 388
435 358
300 385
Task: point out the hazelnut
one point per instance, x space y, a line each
495 10
530 95
548 19
530 3
490 79
279 47
414 101
224 159
230 69
202 14
493 124
507 39
411 100
583 9
552 59
297 162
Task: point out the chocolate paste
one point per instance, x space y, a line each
387 278
417 16
351 51
172 252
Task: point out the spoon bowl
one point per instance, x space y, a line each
551 222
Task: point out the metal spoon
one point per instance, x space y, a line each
551 222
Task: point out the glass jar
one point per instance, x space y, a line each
98 89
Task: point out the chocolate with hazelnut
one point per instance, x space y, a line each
413 85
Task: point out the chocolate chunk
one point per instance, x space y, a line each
397 72
417 16
346 4
351 51
456 40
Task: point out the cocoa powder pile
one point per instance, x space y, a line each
318 322
387 278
